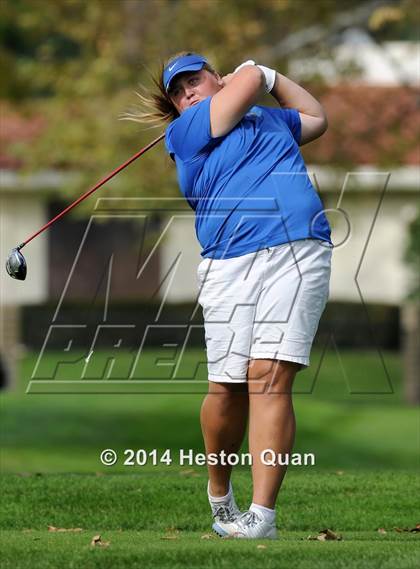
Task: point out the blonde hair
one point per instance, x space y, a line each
155 106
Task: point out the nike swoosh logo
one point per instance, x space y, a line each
172 66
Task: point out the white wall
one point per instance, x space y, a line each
386 64
22 214
179 245
383 276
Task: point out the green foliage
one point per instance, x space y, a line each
77 64
396 21
412 255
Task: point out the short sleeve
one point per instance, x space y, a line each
189 135
291 117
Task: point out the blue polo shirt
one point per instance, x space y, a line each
249 188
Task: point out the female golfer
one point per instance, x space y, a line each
264 277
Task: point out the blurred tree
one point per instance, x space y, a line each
77 64
410 318
400 21
412 256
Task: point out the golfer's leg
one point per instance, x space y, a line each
271 423
224 415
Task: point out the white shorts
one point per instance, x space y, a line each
263 305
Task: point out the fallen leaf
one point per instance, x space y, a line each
326 535
261 546
188 472
208 536
329 534
97 542
412 530
172 529
52 528
171 533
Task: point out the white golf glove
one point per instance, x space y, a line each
269 74
270 77
248 62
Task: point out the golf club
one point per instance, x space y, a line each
16 264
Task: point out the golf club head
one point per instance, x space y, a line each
16 265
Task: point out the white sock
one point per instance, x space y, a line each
219 498
268 515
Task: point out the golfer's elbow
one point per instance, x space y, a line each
320 121
323 125
312 127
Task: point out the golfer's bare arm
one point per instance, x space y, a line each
230 104
244 88
312 115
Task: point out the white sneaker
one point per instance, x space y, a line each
251 525
225 515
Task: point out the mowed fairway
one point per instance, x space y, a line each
365 478
162 520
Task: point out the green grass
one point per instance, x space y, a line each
122 509
145 549
65 433
366 443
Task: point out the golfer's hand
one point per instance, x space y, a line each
227 78
247 62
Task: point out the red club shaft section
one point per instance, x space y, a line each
96 187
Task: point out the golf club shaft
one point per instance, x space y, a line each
89 192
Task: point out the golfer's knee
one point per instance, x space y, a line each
227 390
274 375
226 399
